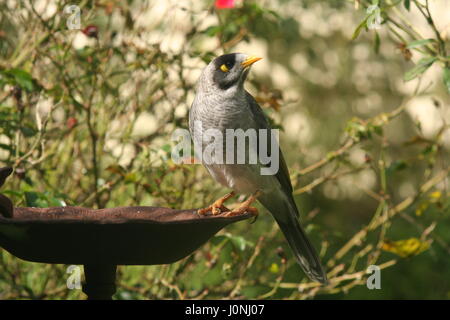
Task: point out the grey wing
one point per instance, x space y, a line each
261 121
286 212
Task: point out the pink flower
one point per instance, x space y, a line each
225 4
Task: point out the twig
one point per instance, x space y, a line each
256 252
360 235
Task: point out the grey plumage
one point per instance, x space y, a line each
221 103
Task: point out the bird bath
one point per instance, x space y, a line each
101 239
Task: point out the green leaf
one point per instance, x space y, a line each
239 242
166 148
376 43
28 131
274 268
429 150
446 78
419 43
55 202
407 4
43 200
34 200
131 177
397 165
12 193
213 278
420 68
406 248
212 30
359 28
22 78
6 147
273 13
252 292
422 207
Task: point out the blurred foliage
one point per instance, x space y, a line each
86 118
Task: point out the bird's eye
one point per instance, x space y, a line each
224 68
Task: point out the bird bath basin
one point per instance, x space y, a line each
104 238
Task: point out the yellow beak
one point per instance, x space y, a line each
249 61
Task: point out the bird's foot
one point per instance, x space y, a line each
217 207
245 207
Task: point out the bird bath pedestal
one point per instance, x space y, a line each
102 239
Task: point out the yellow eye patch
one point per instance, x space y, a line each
224 68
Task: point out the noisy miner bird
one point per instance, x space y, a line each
222 103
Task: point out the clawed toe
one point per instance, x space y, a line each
214 210
245 207
242 210
217 207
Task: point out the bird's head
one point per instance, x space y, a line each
229 70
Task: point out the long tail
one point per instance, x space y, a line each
285 213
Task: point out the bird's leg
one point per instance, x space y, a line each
217 207
245 206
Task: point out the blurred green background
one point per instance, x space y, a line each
360 90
